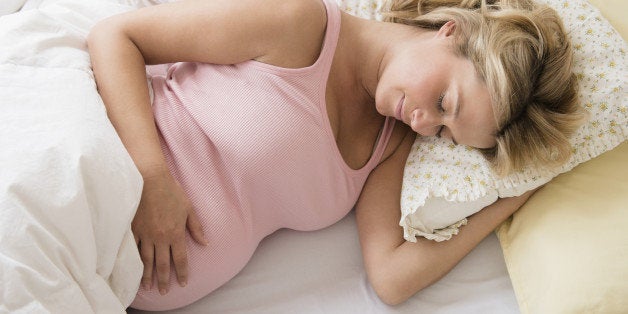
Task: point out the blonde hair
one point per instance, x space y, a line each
520 50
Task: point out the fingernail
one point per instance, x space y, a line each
162 291
183 283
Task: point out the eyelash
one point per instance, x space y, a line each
439 103
439 106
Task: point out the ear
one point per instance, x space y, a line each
447 29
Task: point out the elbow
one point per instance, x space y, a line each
95 37
92 37
394 290
103 32
98 32
389 296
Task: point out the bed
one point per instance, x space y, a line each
69 191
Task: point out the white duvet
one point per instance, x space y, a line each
68 188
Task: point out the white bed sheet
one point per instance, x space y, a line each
322 272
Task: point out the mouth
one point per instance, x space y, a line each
399 111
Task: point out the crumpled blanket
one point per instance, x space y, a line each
68 188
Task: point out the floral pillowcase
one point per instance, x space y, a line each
444 183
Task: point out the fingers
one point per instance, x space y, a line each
195 228
162 262
159 227
147 251
180 259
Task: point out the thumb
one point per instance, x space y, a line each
195 228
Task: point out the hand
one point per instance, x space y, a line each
159 228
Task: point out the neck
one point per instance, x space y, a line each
362 51
353 75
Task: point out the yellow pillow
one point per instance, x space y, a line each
615 12
566 249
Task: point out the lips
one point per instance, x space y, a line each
399 111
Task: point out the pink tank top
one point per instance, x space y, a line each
255 139
252 146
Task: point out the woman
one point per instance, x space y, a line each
283 113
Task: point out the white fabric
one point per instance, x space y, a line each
368 9
31 4
68 188
452 182
322 272
10 6
434 219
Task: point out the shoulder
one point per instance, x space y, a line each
304 18
301 29
299 12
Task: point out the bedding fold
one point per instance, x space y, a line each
68 188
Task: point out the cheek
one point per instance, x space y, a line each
479 132
428 84
425 91
390 87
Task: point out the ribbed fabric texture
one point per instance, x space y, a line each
253 148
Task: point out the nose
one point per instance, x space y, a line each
425 122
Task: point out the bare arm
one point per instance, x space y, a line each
202 31
397 269
222 32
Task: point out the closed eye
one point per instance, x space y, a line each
439 103
439 106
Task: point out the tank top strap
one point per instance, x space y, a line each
332 32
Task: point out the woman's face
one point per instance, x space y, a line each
436 92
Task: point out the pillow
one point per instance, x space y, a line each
368 9
451 182
556 264
566 249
